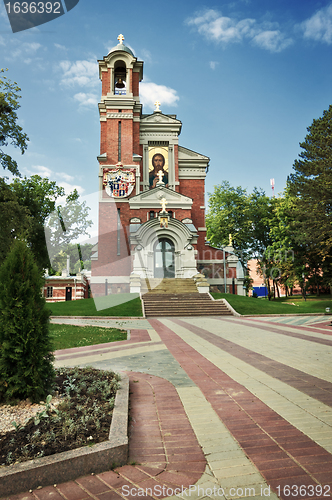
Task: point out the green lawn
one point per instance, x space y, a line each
66 336
86 307
249 305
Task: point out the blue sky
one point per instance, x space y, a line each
245 78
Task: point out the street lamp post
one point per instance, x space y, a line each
305 297
225 278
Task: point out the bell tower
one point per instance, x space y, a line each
119 166
120 109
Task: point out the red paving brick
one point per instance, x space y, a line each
109 495
92 484
281 453
48 493
310 385
241 405
72 490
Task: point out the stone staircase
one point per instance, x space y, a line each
178 297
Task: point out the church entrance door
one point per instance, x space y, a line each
164 259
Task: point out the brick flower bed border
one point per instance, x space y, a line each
69 465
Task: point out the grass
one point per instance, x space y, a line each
249 305
67 336
87 307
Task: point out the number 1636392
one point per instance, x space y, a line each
310 490
33 7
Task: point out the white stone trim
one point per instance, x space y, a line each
121 116
201 229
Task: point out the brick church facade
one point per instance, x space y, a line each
151 192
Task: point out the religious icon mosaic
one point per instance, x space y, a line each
158 161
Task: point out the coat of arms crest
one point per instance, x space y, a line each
119 182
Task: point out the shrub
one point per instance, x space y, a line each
26 357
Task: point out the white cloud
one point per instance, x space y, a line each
274 41
61 47
24 49
213 64
151 92
40 170
86 99
221 29
68 187
81 73
64 176
319 26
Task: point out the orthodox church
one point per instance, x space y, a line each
151 193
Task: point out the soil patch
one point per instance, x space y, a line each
82 417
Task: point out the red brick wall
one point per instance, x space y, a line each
106 87
59 290
135 84
109 263
194 188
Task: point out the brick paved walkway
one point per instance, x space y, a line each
227 407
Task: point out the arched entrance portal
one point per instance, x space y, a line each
164 266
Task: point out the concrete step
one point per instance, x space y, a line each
190 304
168 285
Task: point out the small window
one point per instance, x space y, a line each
151 215
170 213
49 292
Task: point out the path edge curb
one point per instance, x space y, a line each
72 464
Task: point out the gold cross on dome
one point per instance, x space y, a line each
163 203
157 104
230 240
121 38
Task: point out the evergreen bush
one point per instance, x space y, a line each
26 369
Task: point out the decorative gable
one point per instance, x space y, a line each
160 123
151 199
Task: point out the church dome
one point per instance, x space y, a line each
123 48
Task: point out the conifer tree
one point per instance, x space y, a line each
26 369
311 185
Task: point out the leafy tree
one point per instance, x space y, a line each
26 369
15 220
38 196
77 261
10 132
247 217
27 206
229 214
311 185
66 224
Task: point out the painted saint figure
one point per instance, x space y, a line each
158 163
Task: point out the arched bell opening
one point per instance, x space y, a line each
120 78
164 261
